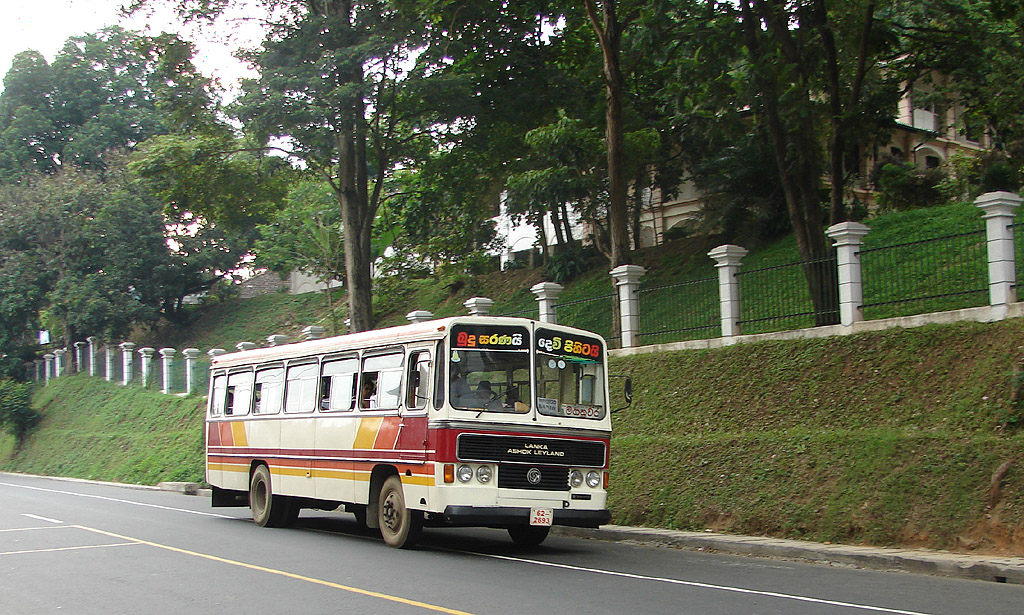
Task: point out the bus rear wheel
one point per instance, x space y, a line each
269 510
399 526
528 535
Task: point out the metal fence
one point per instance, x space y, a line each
778 297
595 314
930 275
682 311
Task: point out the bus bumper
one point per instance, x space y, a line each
508 516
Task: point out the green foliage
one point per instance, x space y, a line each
566 266
16 414
903 186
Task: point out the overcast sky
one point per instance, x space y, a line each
44 25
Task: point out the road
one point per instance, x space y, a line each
83 548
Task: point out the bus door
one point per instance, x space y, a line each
295 465
412 435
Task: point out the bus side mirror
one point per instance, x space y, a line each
627 390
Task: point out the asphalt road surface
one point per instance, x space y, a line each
84 548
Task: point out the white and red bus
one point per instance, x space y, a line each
467 421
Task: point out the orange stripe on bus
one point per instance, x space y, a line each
226 438
367 432
387 435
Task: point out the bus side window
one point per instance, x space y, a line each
337 385
439 376
239 392
380 381
268 391
418 380
301 387
230 402
217 395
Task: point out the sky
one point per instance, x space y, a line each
44 25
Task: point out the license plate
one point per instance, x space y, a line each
541 516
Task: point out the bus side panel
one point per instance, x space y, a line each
214 462
291 472
333 469
264 438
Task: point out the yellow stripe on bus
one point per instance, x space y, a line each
238 433
368 428
228 467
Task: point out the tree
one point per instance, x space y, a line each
16 414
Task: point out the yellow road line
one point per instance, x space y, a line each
118 544
290 575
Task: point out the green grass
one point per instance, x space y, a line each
98 430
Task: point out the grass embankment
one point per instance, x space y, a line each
887 438
98 430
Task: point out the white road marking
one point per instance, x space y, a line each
725 588
47 519
116 544
108 499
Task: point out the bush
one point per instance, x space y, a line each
903 186
16 414
566 266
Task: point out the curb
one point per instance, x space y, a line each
941 563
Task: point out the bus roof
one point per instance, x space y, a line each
422 331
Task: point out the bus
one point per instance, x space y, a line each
458 422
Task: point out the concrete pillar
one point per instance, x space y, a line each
215 352
547 300
627 281
727 259
48 367
848 238
419 316
245 346
126 362
93 342
58 362
190 354
108 351
479 306
1002 270
167 358
147 363
79 348
277 340
313 332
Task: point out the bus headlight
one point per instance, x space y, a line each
484 474
576 478
464 474
593 479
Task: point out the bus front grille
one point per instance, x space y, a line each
547 478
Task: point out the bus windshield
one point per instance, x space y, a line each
570 375
489 368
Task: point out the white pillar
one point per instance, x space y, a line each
245 346
79 346
277 340
627 281
547 300
313 332
147 363
167 358
126 362
727 259
848 237
190 354
215 352
478 306
1002 266
419 316
108 350
92 340
58 362
48 365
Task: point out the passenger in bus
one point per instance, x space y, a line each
368 392
484 392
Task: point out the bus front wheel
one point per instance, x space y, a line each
269 510
399 526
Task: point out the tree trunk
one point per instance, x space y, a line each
609 35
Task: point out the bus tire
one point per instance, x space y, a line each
528 535
268 510
399 526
